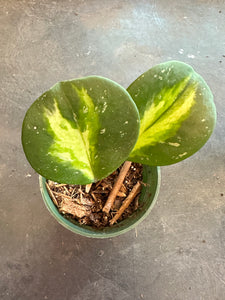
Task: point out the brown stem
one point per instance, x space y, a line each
136 189
61 195
116 187
88 187
60 184
51 194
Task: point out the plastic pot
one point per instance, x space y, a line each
149 193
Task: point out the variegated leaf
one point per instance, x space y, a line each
80 130
177 113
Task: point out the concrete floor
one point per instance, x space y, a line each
178 252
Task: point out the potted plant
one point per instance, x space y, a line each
82 130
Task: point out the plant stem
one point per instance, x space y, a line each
51 194
88 187
117 186
136 189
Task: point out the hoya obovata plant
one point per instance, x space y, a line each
81 130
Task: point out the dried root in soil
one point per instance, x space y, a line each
85 203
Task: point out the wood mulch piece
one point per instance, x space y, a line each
84 203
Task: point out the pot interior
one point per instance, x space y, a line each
149 193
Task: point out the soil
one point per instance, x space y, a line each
84 203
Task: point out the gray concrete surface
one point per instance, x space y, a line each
178 252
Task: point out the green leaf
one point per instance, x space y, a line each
177 113
81 130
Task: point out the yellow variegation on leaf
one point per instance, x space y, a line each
177 113
81 130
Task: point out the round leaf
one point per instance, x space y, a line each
177 113
81 130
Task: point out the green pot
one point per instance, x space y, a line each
149 193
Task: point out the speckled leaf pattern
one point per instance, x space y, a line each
81 130
177 113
